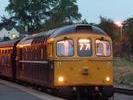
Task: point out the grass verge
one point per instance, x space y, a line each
123 71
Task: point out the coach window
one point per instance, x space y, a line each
65 48
2 51
103 48
42 54
84 47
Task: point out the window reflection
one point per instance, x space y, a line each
102 48
65 48
84 47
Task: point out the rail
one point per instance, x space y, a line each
123 90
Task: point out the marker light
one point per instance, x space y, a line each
61 79
107 79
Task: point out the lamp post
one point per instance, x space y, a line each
13 36
120 25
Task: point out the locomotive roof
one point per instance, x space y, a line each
68 30
77 28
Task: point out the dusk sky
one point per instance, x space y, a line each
118 10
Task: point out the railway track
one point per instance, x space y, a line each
123 90
47 96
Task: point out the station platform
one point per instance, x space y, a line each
12 91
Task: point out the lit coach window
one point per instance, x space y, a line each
84 47
65 48
103 48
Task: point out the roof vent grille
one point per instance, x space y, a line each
84 28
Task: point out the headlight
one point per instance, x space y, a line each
60 79
107 78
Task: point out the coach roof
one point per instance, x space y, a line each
9 43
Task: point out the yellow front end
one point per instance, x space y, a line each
78 69
83 72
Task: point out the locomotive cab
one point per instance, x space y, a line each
83 59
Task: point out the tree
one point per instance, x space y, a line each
109 27
128 27
43 14
65 12
30 13
7 21
84 22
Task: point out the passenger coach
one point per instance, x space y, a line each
7 59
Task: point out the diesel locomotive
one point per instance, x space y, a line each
71 58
